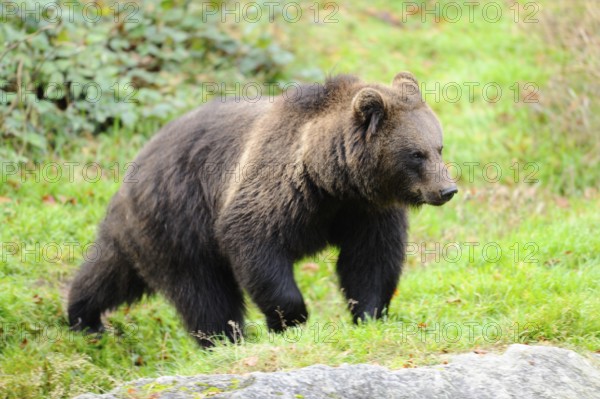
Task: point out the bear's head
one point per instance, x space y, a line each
399 142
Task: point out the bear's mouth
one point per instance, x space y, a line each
416 198
436 203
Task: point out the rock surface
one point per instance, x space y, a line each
521 372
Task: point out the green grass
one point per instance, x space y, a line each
543 289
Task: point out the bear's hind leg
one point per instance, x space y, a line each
102 284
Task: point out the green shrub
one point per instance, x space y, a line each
72 68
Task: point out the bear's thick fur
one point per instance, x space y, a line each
227 197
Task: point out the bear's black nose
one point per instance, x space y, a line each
448 193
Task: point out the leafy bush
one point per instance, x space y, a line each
74 67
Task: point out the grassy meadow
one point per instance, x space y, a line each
513 258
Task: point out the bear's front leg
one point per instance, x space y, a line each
267 275
372 250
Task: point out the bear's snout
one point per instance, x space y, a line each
448 193
441 196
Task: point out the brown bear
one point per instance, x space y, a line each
226 198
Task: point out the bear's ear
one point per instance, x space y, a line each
408 87
369 109
403 77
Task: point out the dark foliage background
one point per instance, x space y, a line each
83 67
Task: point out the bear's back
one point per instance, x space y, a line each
178 177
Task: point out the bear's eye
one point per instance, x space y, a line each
418 155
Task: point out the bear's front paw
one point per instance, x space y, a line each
87 327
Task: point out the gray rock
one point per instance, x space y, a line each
521 372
